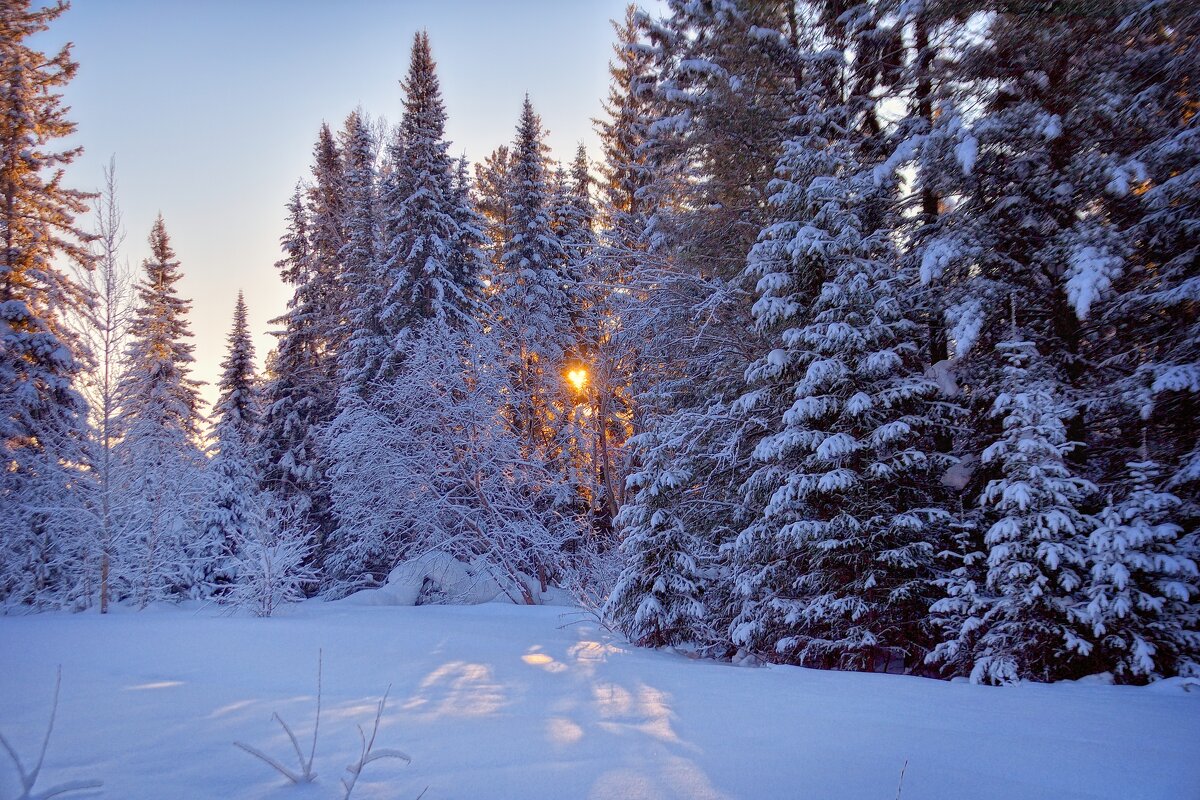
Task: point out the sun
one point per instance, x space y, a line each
578 378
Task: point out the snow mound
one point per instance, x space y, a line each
438 578
1175 685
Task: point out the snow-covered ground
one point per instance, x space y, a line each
500 701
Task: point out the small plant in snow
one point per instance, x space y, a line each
306 771
306 774
29 778
368 752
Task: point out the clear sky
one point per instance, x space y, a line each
211 108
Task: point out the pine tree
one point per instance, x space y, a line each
43 418
431 269
165 554
1143 584
298 397
1023 618
234 510
835 566
532 300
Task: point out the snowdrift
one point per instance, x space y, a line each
441 579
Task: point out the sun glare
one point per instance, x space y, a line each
578 378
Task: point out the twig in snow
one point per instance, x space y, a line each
29 778
368 753
306 767
900 786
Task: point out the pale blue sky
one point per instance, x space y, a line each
211 108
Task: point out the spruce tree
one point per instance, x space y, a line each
299 393
1024 618
629 171
1142 583
365 341
835 566
166 555
426 272
1144 272
430 268
585 424
327 197
718 111
492 201
43 418
532 300
658 597
233 513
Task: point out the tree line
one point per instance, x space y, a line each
870 342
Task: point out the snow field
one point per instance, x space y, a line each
501 701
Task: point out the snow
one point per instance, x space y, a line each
958 475
943 374
503 701
439 575
1089 277
966 151
938 255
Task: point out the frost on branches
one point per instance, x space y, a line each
165 554
434 467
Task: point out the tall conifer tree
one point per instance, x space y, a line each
42 415
233 513
533 298
159 451
430 266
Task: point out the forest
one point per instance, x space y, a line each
869 341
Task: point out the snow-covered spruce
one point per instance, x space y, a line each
1142 583
1020 614
43 418
235 505
531 307
300 392
165 554
834 568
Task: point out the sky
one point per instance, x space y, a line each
211 109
